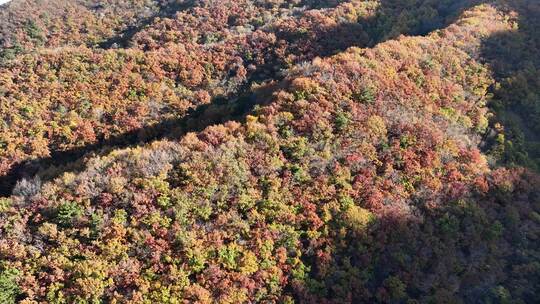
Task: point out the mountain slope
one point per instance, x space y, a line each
357 178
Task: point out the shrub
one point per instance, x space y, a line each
342 120
228 256
33 30
27 188
366 95
358 218
67 213
8 285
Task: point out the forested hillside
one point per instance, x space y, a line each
270 151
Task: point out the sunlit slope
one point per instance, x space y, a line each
77 76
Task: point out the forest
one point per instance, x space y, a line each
270 151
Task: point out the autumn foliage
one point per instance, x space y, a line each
368 171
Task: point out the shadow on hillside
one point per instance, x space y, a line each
415 18
318 4
220 110
364 33
446 254
513 57
391 19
